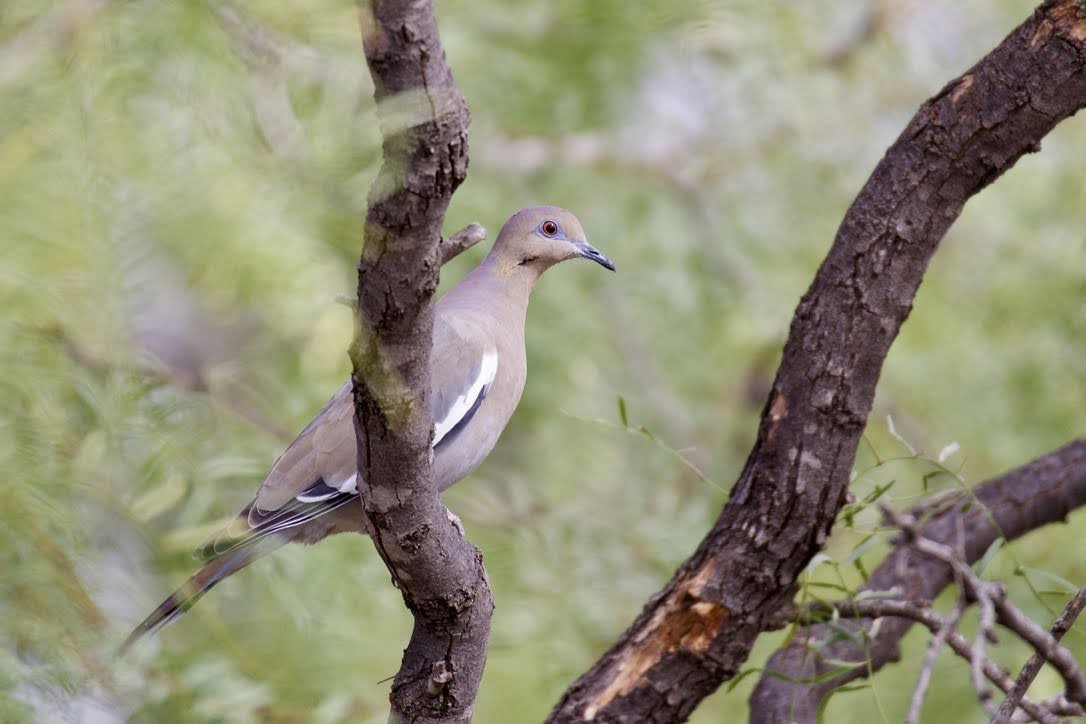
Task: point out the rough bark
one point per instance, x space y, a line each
424 124
698 630
1041 492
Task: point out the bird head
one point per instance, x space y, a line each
539 237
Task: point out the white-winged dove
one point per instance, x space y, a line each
478 373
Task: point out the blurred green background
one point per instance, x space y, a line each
181 193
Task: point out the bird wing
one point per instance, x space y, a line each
317 473
463 365
324 451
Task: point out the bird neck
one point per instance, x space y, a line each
496 289
508 278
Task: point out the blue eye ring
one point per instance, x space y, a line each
549 228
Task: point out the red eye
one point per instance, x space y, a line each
549 227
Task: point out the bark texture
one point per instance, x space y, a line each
424 124
698 630
1041 492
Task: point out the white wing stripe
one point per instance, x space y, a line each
321 491
304 498
487 371
350 485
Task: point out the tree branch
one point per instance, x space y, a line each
994 605
916 703
698 630
450 248
1043 491
461 241
1033 665
913 612
424 124
1057 705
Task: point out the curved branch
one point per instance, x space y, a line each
698 630
1041 492
424 124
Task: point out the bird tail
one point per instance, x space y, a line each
200 583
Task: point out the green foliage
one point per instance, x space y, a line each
177 221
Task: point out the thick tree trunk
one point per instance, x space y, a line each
698 630
424 124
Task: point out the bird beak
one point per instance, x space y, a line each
590 252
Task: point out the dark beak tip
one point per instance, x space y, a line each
602 261
587 251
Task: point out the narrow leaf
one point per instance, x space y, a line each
1063 583
892 593
989 554
817 561
740 676
864 546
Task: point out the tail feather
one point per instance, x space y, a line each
254 534
185 597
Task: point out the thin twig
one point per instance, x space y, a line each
920 612
934 646
1058 705
1009 506
460 242
449 249
1033 665
977 653
937 641
1009 615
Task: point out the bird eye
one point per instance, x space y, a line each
549 228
